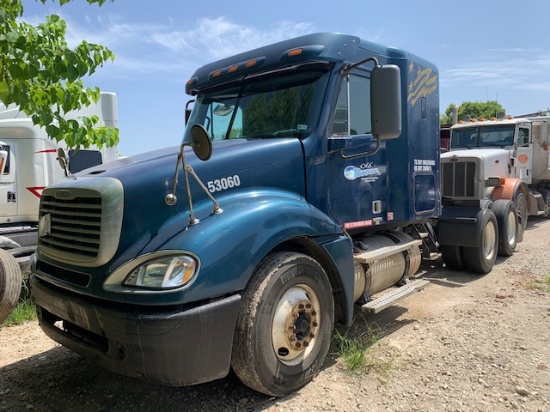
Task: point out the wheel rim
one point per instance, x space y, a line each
489 241
296 324
511 228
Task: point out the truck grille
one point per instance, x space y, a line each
80 220
75 224
458 179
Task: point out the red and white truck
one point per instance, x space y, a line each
497 162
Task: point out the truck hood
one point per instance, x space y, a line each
152 173
133 190
482 153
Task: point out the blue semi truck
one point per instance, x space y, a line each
308 182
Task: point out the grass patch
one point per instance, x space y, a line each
352 345
540 284
23 312
352 351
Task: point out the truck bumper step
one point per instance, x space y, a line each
389 298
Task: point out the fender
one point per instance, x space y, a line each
459 226
509 189
230 245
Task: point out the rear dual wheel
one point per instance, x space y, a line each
481 259
522 207
285 324
478 259
508 226
546 198
452 256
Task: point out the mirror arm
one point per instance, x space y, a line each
349 67
171 198
217 209
192 219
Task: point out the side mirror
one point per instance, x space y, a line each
63 160
200 142
386 102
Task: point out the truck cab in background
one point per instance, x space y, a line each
500 159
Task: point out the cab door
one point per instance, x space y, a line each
357 166
523 155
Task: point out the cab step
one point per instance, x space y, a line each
383 252
537 204
389 298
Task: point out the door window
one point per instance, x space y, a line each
353 107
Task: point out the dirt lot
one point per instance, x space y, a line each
464 343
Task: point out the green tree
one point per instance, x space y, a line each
43 76
476 110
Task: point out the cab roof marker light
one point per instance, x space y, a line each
295 52
191 82
236 67
305 51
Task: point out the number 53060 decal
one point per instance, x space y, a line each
224 183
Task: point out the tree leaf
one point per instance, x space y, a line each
4 93
43 75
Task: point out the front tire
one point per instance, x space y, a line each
285 324
481 259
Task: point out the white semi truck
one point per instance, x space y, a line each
28 163
498 162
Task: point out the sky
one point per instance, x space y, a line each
484 50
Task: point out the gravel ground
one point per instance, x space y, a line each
464 343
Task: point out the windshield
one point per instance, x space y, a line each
483 136
279 104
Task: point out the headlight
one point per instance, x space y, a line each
164 273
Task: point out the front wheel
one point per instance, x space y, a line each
285 324
481 259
